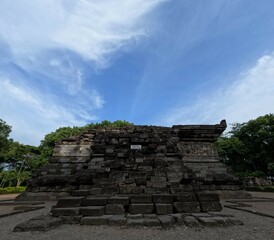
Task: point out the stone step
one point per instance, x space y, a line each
95 201
92 211
56 211
142 208
70 202
80 193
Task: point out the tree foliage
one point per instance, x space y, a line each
5 131
250 146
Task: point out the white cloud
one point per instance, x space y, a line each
44 44
32 115
249 96
94 29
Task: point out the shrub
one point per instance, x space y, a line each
9 190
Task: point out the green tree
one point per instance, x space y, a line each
20 161
250 145
5 131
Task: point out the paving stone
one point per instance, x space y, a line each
213 221
92 211
39 223
166 221
187 207
118 200
162 198
136 222
134 216
191 221
71 219
152 222
97 220
141 208
114 209
94 201
64 212
178 217
150 215
210 206
118 220
163 208
70 202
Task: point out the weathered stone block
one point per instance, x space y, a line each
94 201
135 216
140 181
114 209
136 222
152 222
207 197
156 184
141 199
118 220
40 223
185 197
187 207
213 221
70 202
111 190
211 206
141 208
96 191
178 217
101 220
71 219
162 198
92 211
162 208
81 193
126 189
166 221
56 212
191 221
119 200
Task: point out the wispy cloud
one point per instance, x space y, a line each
46 48
93 29
33 114
250 95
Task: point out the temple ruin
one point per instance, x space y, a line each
135 170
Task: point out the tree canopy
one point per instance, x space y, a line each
249 146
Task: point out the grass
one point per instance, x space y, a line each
9 190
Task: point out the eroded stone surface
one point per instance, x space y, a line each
40 223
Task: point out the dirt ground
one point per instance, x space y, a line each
255 227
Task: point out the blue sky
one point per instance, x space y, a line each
153 62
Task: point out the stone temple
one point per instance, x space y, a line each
135 170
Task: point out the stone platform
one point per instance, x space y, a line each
134 170
135 160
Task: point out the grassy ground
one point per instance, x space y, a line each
9 190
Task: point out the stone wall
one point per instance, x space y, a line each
134 160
